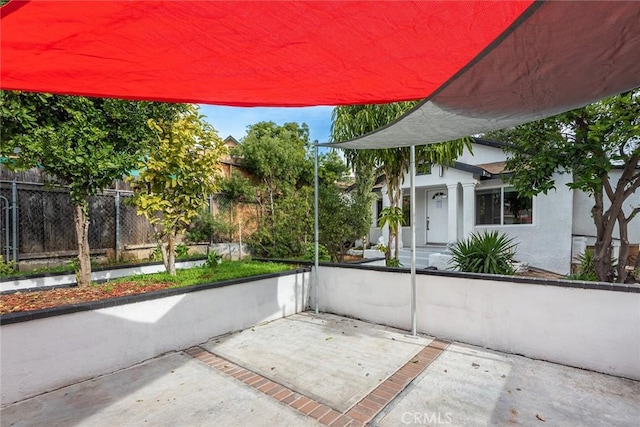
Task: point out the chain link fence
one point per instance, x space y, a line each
36 222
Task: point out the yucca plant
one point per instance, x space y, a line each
489 253
586 270
586 267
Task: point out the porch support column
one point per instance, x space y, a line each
452 212
468 207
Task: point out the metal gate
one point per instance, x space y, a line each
9 225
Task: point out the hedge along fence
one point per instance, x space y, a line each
51 348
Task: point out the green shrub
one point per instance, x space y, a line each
489 253
182 251
310 252
6 268
213 260
394 262
207 228
156 254
586 267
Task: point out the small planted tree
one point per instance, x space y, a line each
83 143
343 216
393 217
176 177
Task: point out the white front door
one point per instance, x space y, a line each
437 218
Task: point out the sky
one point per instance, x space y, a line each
234 120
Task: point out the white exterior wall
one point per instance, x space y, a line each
547 242
375 232
586 328
482 154
45 354
583 222
558 216
428 182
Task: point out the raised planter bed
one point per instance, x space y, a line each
45 349
44 280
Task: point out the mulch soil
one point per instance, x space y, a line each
36 300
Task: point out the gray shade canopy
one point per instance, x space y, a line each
563 56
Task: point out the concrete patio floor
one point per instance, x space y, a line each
307 370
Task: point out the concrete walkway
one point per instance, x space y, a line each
309 370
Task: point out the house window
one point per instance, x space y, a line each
503 206
406 211
423 169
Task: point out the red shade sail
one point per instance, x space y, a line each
260 53
481 65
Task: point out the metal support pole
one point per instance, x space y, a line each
211 213
14 219
5 215
117 242
412 174
316 228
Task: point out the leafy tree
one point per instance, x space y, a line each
84 143
588 142
392 217
176 177
349 122
343 218
277 156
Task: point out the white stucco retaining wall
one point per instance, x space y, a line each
587 328
45 354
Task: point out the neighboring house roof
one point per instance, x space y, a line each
476 170
489 142
230 142
495 168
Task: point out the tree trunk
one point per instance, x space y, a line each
81 220
602 253
169 255
624 249
397 233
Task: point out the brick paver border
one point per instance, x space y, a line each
358 415
381 396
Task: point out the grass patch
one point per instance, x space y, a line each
43 270
200 275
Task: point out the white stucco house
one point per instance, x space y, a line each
453 202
